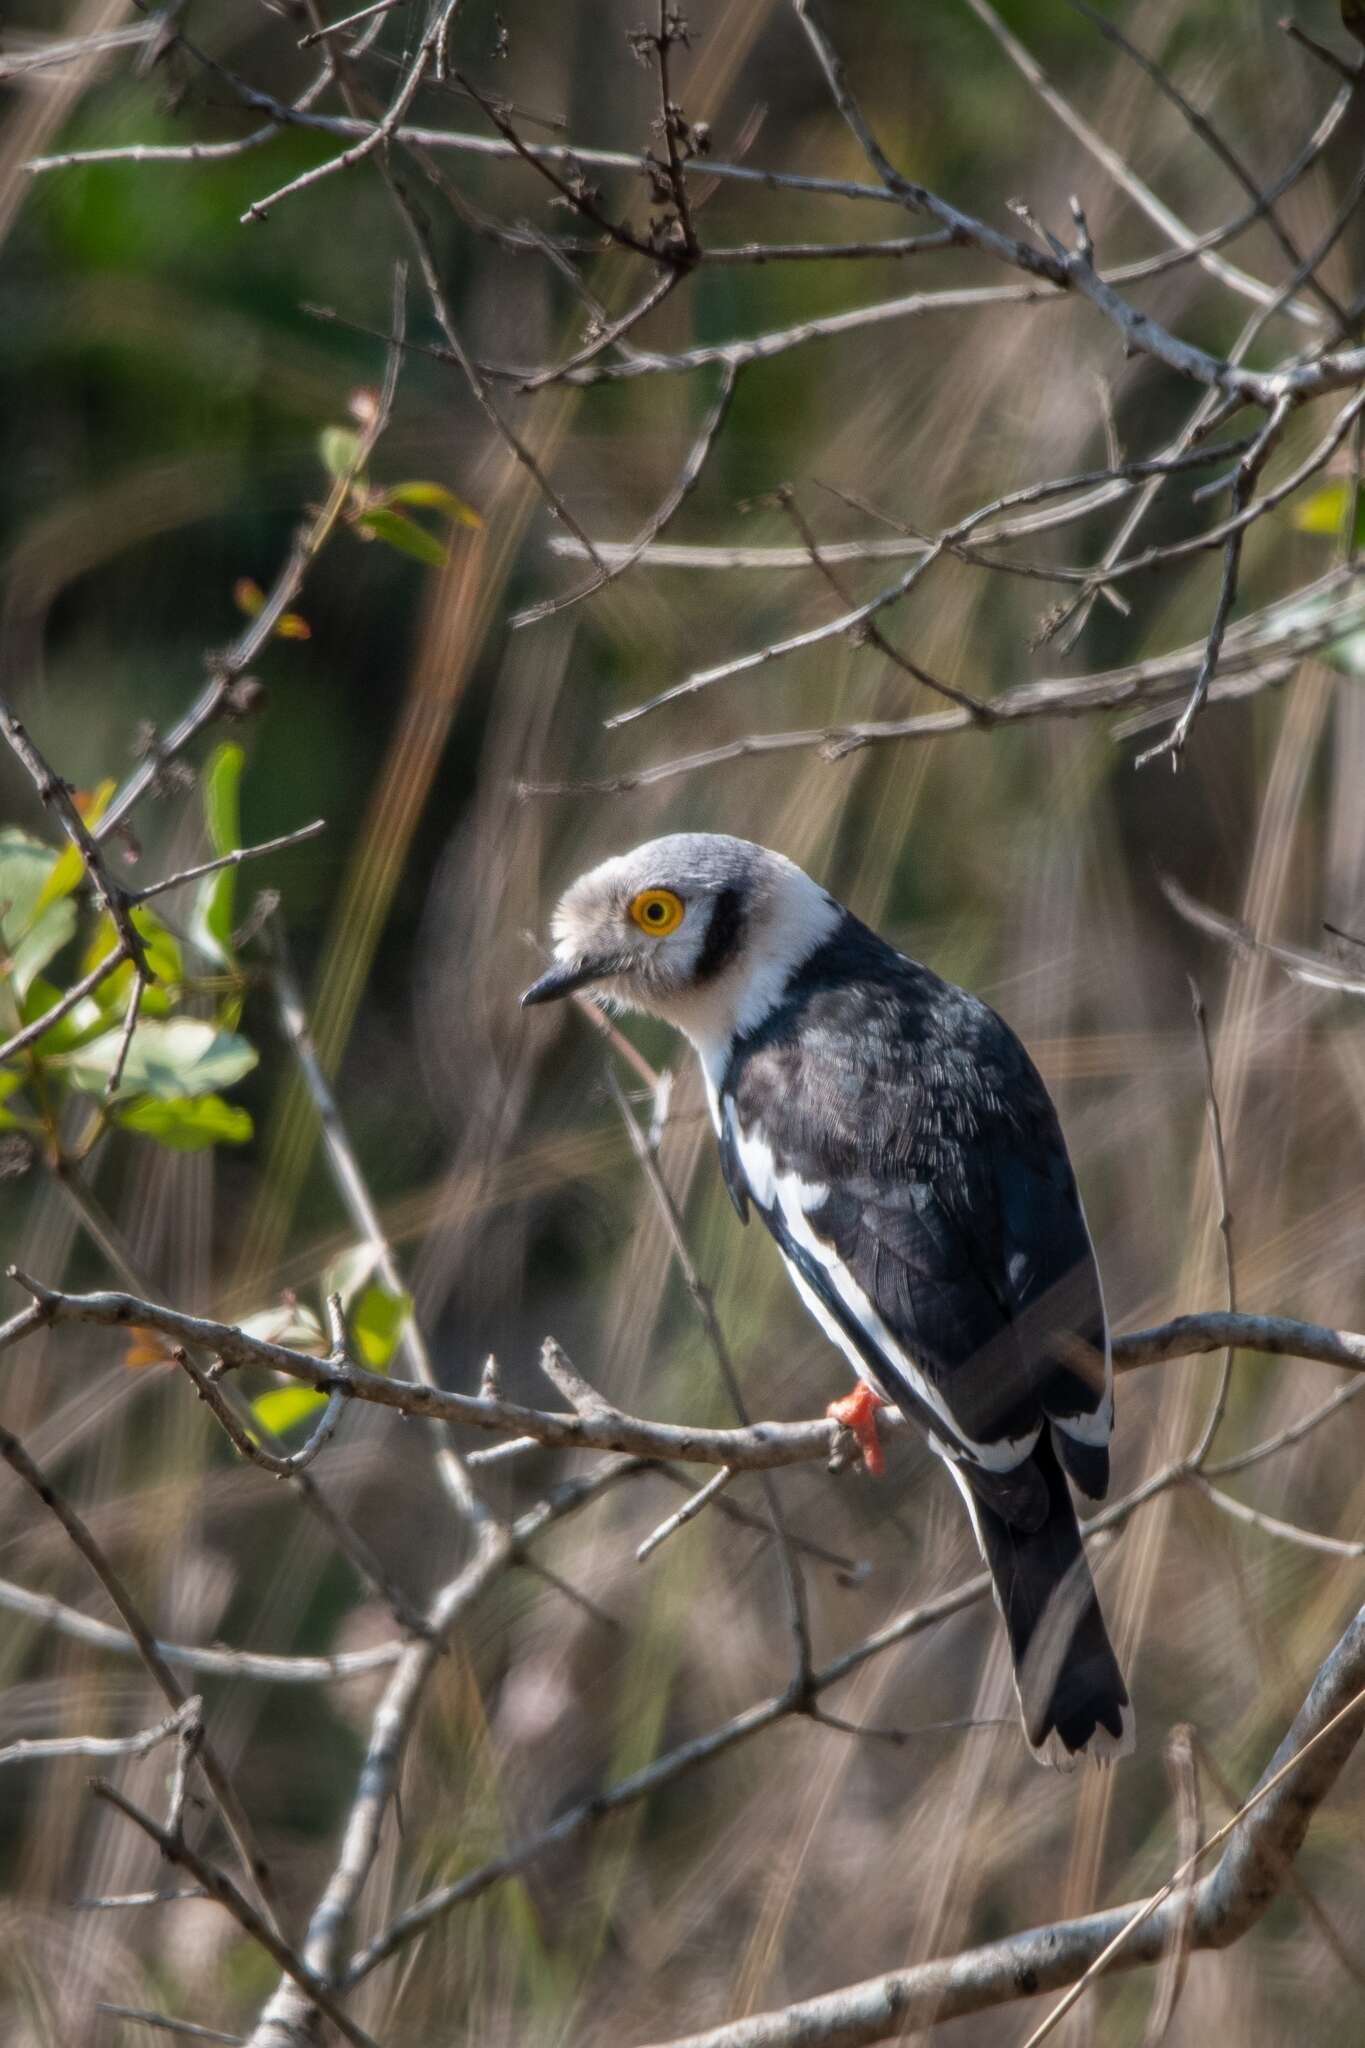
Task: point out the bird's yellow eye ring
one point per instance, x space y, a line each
657 911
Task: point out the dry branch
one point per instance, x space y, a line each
1262 1843
759 1447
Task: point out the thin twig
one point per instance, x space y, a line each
1271 1525
219 1782
1182 1768
221 1887
228 860
1247 471
624 557
44 1749
680 1517
162 2023
1220 1182
794 1585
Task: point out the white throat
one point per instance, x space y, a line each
789 919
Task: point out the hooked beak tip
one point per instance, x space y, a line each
561 980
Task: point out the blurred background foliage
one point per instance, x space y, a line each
168 380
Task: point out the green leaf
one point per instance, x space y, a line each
284 1407
188 1123
437 498
66 1033
222 792
70 867
9 1081
377 1321
110 999
45 937
339 448
211 919
167 1058
25 865
1325 512
396 530
215 900
163 948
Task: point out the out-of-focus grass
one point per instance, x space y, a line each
171 394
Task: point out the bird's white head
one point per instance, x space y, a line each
699 929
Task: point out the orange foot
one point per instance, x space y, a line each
858 1412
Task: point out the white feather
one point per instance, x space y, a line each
1097 1428
795 1200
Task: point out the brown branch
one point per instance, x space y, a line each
56 795
1221 148
1248 469
1124 175
44 1748
1072 270
759 1447
219 1886
220 1784
1218 1154
1098 487
626 556
869 630
228 860
230 665
1316 970
1262 1841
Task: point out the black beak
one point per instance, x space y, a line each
564 977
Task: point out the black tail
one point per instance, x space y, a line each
1071 1692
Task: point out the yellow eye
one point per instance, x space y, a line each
657 911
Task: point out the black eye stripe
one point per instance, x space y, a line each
724 936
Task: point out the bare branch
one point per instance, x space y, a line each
220 1784
680 1517
759 1447
1124 175
232 663
1316 970
1247 471
76 994
429 56
280 1467
1271 1525
45 1748
1262 1840
1220 1182
626 555
57 796
228 860
220 1887
1230 160
162 2023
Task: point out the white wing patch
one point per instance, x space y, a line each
794 1200
1097 1427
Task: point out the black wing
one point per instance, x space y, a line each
949 1204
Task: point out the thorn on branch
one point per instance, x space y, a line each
563 1375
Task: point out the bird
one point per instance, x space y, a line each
901 1147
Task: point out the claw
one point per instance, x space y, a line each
857 1413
